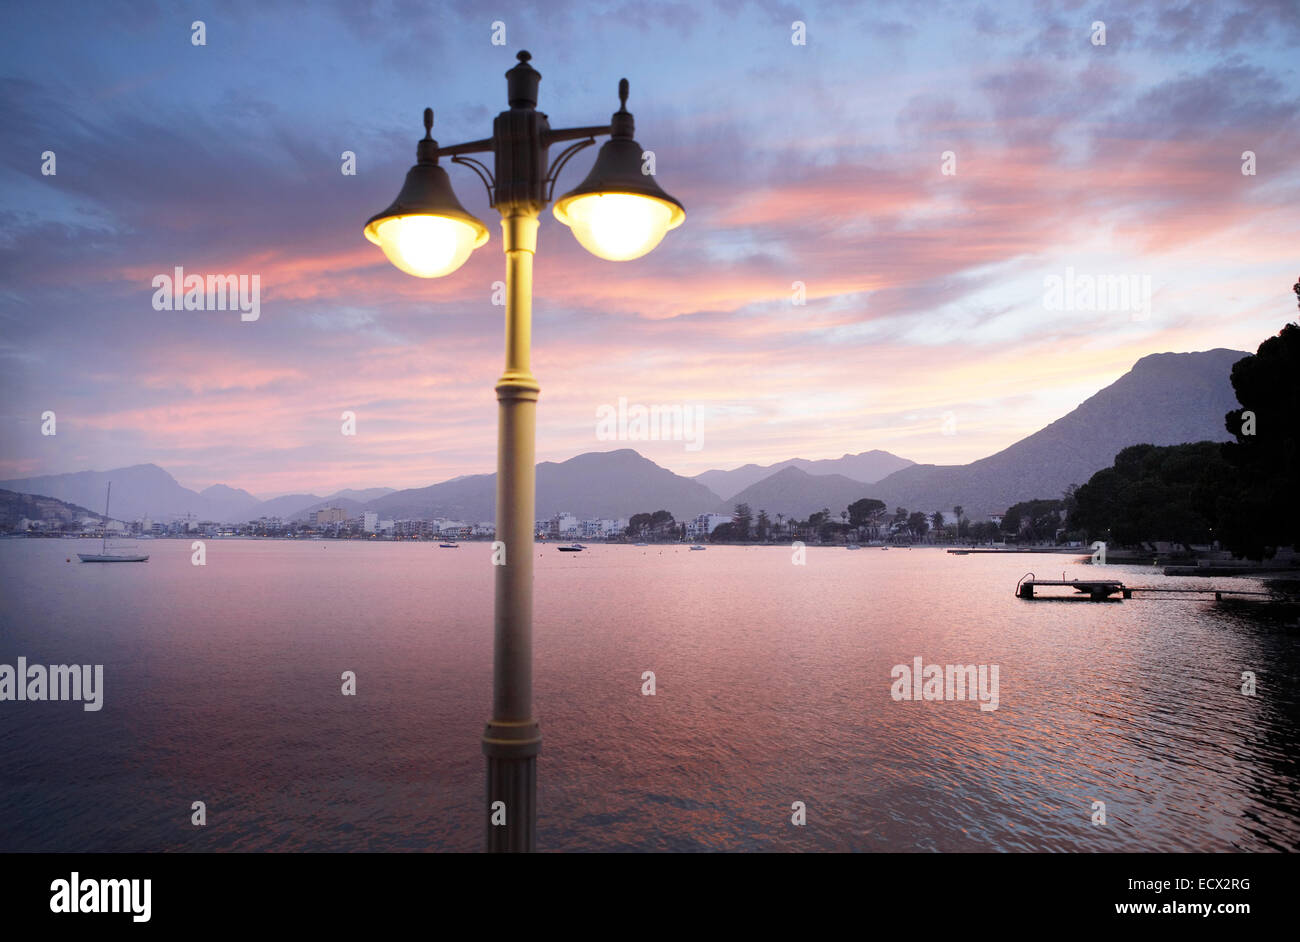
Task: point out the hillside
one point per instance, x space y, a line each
597 484
14 507
793 492
1165 399
142 490
865 467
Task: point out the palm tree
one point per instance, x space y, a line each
779 518
957 511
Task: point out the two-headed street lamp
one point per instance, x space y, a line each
618 213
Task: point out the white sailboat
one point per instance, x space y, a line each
104 556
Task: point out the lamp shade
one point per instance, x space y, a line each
426 232
618 212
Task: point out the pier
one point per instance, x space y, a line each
1106 590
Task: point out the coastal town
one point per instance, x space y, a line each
741 526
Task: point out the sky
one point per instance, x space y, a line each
927 328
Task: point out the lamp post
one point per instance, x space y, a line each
618 213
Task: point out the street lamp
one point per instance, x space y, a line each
619 213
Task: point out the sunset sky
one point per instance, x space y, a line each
818 163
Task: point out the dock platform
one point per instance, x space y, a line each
1105 590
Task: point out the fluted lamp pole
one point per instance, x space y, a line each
619 213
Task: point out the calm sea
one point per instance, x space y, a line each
222 685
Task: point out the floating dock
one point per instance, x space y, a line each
1106 590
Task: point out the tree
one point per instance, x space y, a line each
866 513
917 524
1153 493
742 518
763 525
957 510
1262 514
936 521
658 525
723 533
1034 521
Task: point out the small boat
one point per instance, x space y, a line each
853 546
642 544
697 546
449 545
571 548
104 556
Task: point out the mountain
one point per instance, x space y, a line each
1165 399
142 490
370 493
227 503
611 484
794 492
352 507
14 507
298 506
866 467
286 507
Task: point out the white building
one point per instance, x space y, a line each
370 521
565 524
704 524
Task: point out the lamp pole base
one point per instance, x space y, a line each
511 750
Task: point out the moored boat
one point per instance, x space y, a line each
104 556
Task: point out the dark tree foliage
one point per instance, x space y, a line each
659 524
724 533
1155 493
742 518
865 512
1033 521
1261 513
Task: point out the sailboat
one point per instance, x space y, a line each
104 556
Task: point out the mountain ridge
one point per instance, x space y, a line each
866 467
1164 399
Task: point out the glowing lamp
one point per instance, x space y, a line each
619 212
426 232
